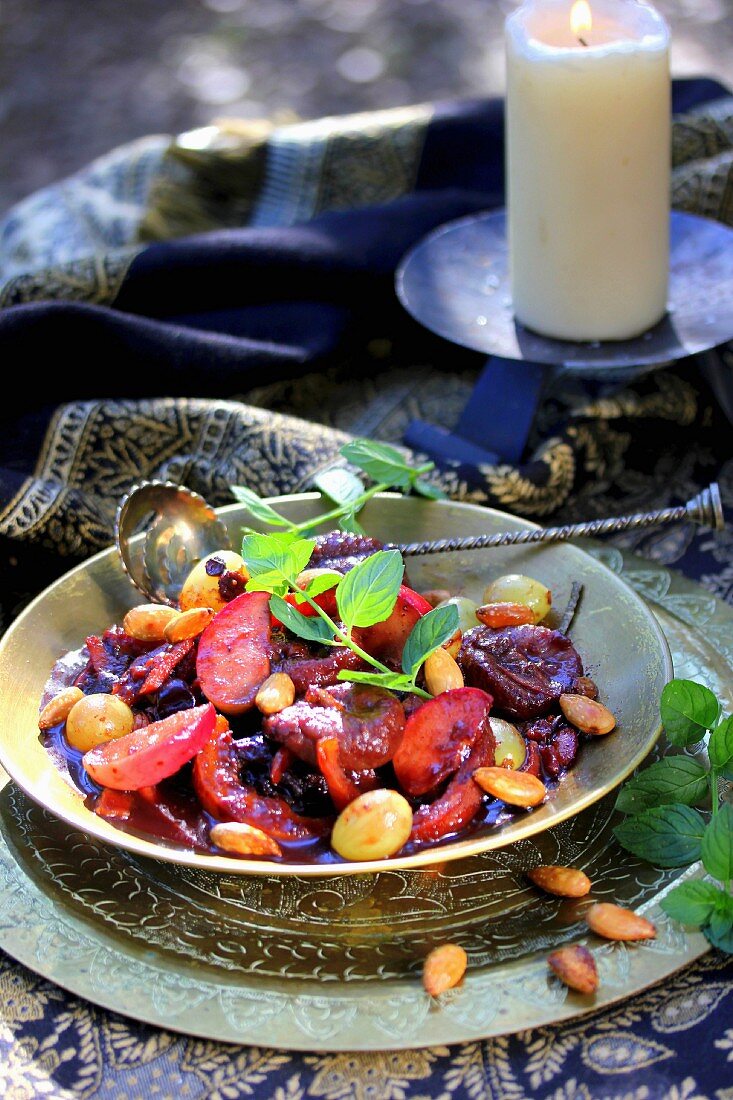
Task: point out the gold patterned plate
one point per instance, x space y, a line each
334 964
620 641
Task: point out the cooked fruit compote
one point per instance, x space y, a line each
305 704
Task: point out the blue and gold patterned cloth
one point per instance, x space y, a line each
219 308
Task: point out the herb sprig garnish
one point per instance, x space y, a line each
366 595
665 828
382 464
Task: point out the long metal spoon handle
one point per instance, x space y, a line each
705 509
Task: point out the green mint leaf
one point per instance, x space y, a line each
258 508
392 681
425 489
674 779
688 710
719 931
428 633
717 845
667 836
339 485
311 628
720 748
268 582
348 522
379 461
281 553
323 583
691 902
368 592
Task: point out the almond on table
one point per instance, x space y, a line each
613 922
575 966
443 968
565 882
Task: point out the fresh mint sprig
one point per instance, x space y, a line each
366 595
382 464
665 828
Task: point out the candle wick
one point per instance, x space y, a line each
582 41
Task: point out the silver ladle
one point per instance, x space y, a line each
184 529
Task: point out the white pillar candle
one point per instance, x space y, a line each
588 165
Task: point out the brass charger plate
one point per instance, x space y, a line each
621 643
333 965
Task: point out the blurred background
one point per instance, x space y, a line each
81 76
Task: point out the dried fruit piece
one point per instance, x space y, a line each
565 882
442 673
576 967
504 613
514 788
277 693
241 839
189 624
443 968
375 825
587 715
613 922
57 709
147 621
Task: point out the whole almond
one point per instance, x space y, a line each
587 715
243 840
442 672
515 788
576 967
616 923
189 624
565 882
57 709
505 614
276 693
147 622
443 968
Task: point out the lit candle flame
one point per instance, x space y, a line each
581 20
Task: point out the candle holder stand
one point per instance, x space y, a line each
455 282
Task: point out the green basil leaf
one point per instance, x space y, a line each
688 710
674 779
281 553
324 582
719 932
258 508
379 461
428 633
425 489
720 748
339 485
667 836
392 681
311 628
368 592
717 845
691 902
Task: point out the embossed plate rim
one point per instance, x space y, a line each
77 815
